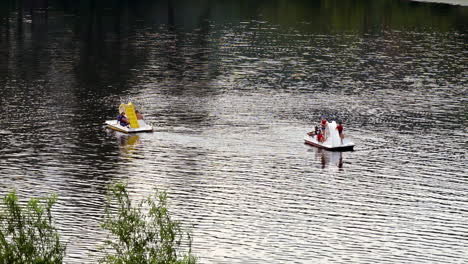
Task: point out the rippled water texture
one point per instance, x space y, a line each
231 89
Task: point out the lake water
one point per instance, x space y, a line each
231 88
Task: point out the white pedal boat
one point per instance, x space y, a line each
143 127
134 126
346 146
333 141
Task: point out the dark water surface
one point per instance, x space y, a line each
232 87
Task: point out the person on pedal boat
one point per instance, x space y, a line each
340 131
323 124
320 137
315 132
139 115
123 120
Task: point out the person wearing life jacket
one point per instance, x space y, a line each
123 120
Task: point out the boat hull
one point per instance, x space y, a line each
114 125
346 146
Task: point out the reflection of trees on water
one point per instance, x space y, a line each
80 53
68 57
60 73
105 52
187 48
104 48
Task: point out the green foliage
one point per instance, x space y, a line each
144 233
27 233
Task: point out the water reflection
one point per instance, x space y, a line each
328 159
231 86
128 143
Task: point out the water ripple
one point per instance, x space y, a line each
230 104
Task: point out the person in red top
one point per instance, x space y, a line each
339 127
320 137
324 124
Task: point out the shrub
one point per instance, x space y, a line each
144 233
27 233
